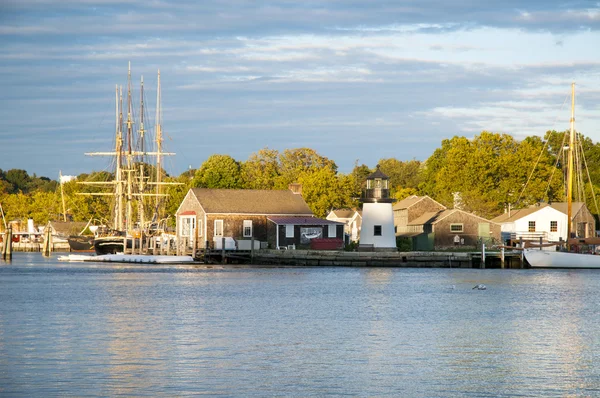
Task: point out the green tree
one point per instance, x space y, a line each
218 171
294 162
261 170
323 189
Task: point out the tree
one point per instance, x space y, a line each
218 171
323 189
19 179
261 170
293 162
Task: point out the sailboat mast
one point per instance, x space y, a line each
129 152
158 144
118 223
142 174
62 195
570 164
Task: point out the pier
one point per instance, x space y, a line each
316 258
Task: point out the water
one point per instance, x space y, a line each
132 330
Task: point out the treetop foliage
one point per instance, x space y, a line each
488 173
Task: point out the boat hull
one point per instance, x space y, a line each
81 243
111 244
129 258
551 259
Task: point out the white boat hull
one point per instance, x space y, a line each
551 259
128 258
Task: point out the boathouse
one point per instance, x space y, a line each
206 216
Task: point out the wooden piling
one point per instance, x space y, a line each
483 255
502 259
252 250
7 246
223 250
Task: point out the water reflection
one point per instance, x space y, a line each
239 331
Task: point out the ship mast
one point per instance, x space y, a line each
570 164
129 153
118 223
158 144
142 174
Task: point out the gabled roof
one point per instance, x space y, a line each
343 213
435 217
251 201
411 200
520 213
425 218
68 227
283 220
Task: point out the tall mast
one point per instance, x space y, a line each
62 195
118 223
570 164
129 151
142 174
158 144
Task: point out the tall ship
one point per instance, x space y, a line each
137 200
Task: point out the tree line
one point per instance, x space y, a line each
485 175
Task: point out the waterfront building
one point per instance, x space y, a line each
209 218
546 221
352 220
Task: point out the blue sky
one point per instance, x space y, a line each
354 80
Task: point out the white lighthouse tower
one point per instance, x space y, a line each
377 229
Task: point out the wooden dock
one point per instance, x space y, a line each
507 259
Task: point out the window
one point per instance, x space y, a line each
218 227
531 226
553 226
187 226
289 231
456 228
377 230
247 228
332 230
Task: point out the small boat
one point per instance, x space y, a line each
128 258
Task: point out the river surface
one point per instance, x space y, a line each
133 330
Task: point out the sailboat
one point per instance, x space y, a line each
538 258
130 184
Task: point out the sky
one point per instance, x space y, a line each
357 81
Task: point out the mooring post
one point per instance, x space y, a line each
502 265
252 250
47 243
7 255
541 243
483 255
223 250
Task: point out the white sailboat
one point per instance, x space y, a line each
538 258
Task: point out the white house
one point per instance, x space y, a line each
352 220
546 221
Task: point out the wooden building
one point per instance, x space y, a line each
450 228
546 221
411 208
206 216
352 220
305 233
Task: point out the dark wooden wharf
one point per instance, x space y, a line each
316 258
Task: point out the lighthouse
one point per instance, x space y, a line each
377 229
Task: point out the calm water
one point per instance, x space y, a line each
108 330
